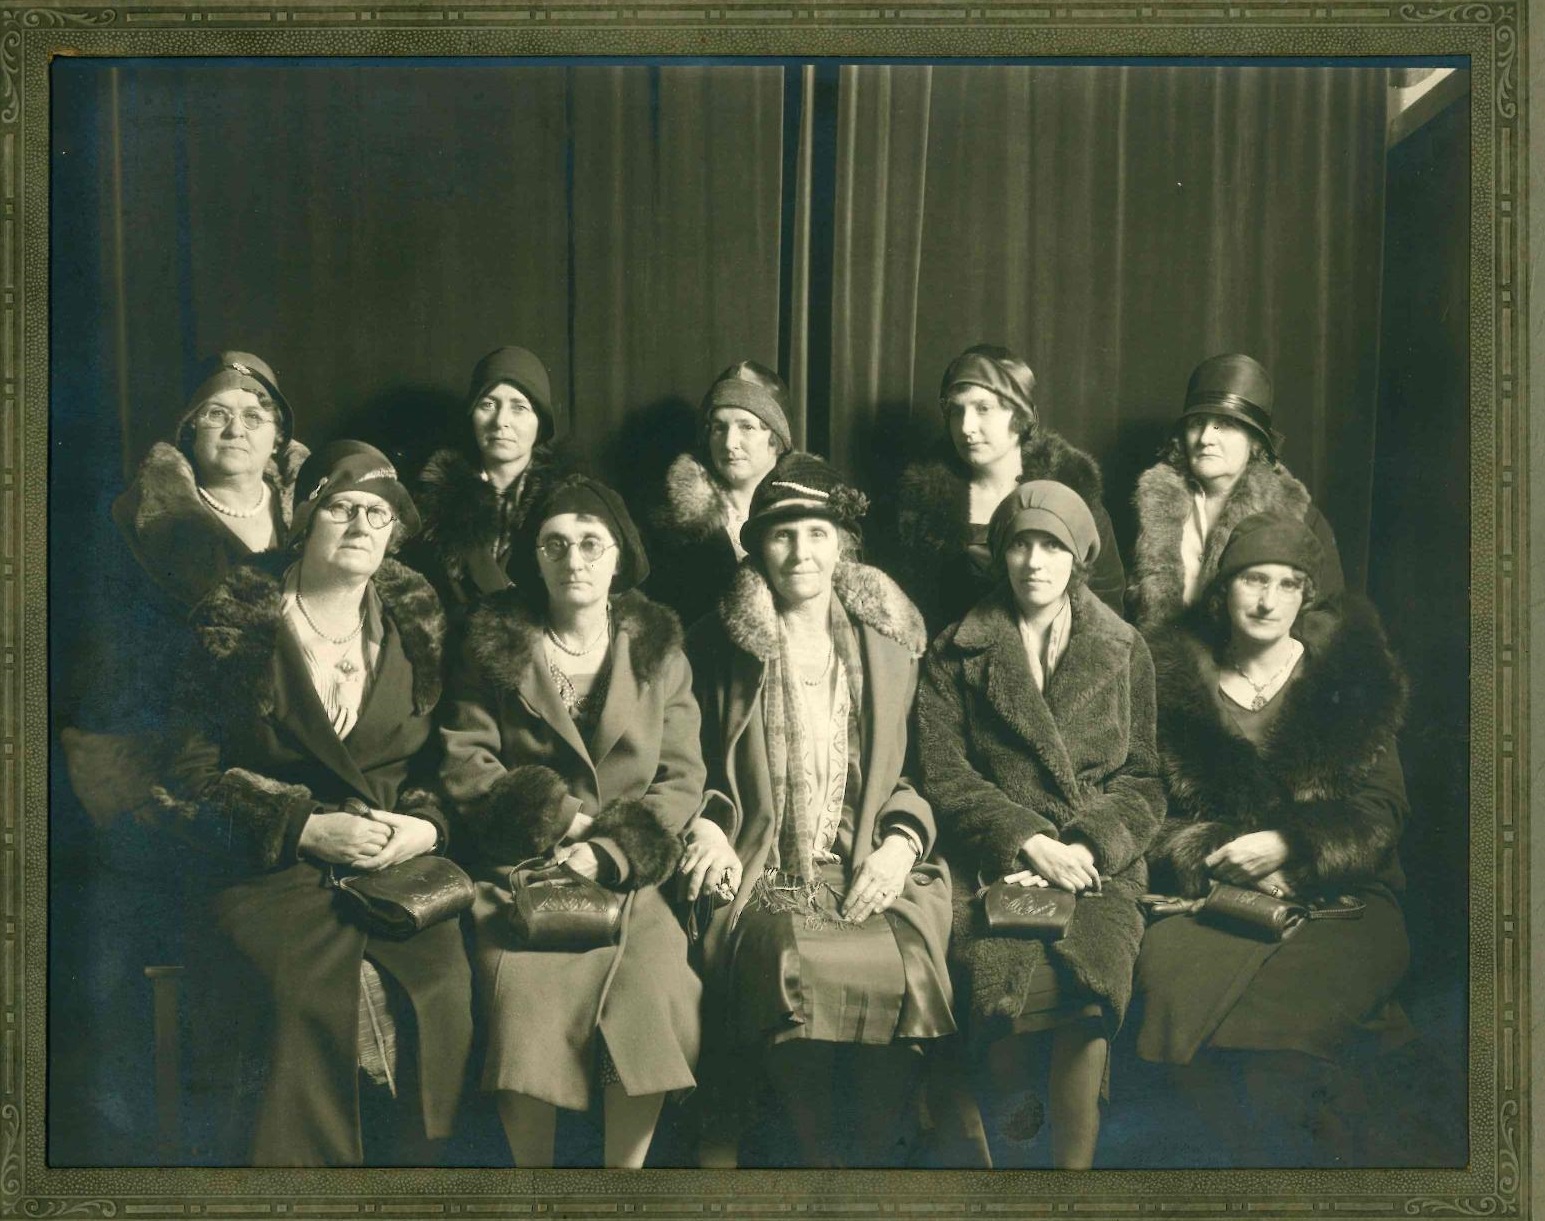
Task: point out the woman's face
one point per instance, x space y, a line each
1039 567
981 425
355 545
800 558
743 448
1264 601
505 425
225 442
574 582
1217 448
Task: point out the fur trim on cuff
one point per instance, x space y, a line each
253 818
1333 845
652 849
521 815
1181 850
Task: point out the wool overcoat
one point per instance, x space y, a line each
281 949
730 653
518 770
693 560
1328 778
932 526
1165 497
1002 762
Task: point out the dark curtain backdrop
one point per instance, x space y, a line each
1116 226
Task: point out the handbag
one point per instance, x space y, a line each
555 908
1042 912
407 897
1255 913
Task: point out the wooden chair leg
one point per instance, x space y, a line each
165 984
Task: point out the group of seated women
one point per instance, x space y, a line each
829 820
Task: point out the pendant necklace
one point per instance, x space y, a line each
1261 699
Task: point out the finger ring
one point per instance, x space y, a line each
1276 891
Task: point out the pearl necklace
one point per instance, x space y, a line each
1261 700
219 507
585 650
338 640
831 652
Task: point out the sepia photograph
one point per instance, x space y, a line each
725 609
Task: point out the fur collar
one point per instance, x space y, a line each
1337 715
459 507
694 507
994 623
1164 498
867 594
505 631
933 505
237 627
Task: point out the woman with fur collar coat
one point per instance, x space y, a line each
835 911
571 733
1036 735
743 430
1283 777
1219 468
475 498
313 753
996 440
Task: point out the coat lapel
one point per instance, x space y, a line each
622 698
884 750
539 694
1093 659
298 709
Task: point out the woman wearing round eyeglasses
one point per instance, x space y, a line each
571 732
1277 726
313 681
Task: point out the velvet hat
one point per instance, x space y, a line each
754 388
592 498
523 369
233 370
350 466
1271 538
801 485
1049 506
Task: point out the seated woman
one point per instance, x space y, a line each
744 428
996 440
571 731
1036 737
475 496
1220 467
1277 733
832 939
314 677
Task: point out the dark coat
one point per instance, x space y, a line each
262 761
461 530
1328 778
518 771
932 527
730 653
1164 499
1001 762
692 560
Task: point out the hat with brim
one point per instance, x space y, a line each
523 369
1271 538
350 466
801 486
1050 507
234 370
1235 387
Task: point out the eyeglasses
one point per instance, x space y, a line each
216 416
1260 583
554 549
340 511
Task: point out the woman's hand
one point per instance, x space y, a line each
1026 877
1242 861
879 880
1275 884
581 858
339 838
410 837
1068 867
709 863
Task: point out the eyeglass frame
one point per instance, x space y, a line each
1259 583
343 512
202 417
564 546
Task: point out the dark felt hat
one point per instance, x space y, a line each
523 369
350 466
994 368
801 485
591 497
1049 506
1236 387
754 388
1271 538
233 370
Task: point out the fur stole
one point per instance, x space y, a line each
1337 721
237 630
870 597
693 509
505 631
1164 499
460 509
162 516
932 501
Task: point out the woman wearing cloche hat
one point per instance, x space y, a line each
311 687
1220 466
1036 743
1277 726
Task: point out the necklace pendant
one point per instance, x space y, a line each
345 666
1258 702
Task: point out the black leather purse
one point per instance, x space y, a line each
407 897
1041 912
555 908
1254 913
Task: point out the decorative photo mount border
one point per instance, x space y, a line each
1496 1182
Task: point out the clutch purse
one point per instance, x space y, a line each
407 897
1269 917
1027 911
555 908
